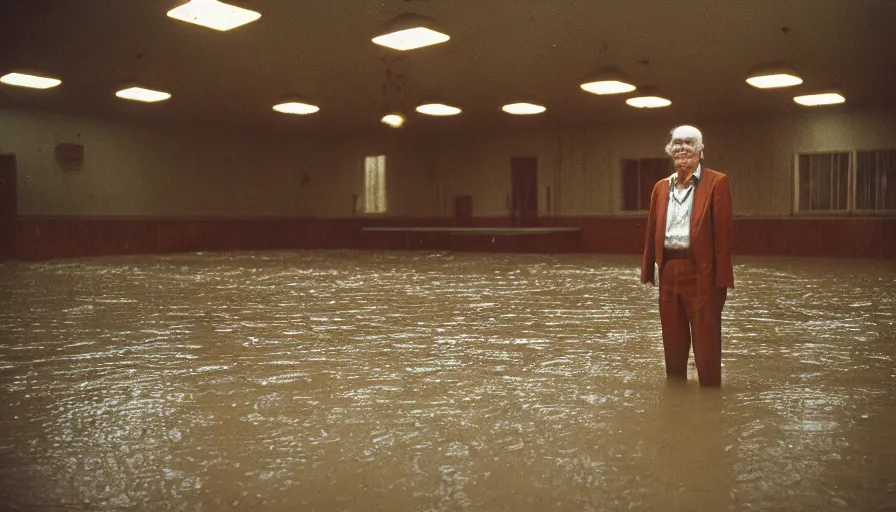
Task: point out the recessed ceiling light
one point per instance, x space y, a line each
213 14
297 108
607 87
141 94
648 102
32 81
523 109
393 120
814 100
774 80
409 32
438 109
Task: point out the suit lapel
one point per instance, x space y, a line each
662 207
701 194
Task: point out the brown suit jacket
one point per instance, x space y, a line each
712 231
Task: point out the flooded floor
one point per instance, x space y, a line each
329 381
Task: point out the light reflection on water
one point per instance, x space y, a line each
437 381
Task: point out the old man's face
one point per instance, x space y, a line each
685 147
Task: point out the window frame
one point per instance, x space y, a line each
851 181
864 211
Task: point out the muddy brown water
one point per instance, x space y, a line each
340 380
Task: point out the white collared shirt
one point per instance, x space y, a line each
678 214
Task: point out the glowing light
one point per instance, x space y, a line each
296 108
648 102
523 109
411 39
141 94
31 81
438 109
410 31
814 100
608 87
393 120
774 80
213 14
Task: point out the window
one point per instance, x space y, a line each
638 178
846 182
823 182
876 181
375 184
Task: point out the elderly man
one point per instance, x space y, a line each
689 237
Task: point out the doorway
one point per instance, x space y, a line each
463 211
524 191
8 206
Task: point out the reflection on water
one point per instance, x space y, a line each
436 381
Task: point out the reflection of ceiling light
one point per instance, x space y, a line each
774 80
409 32
32 81
608 81
523 109
814 100
648 102
438 109
296 107
141 94
393 120
213 14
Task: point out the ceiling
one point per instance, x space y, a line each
697 52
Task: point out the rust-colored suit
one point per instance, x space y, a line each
693 290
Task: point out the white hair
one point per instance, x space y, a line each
686 132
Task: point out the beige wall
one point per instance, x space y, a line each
146 170
187 171
131 169
582 167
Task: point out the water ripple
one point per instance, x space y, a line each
338 380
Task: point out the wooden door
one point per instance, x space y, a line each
8 206
463 211
524 191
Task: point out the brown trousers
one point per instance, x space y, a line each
687 314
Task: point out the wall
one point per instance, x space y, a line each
161 188
582 167
188 171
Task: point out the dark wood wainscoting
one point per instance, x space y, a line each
49 237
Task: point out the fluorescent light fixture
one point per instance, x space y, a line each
607 87
814 100
409 32
774 75
31 81
608 80
648 102
393 120
774 80
213 14
438 109
141 94
523 109
296 107
411 39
